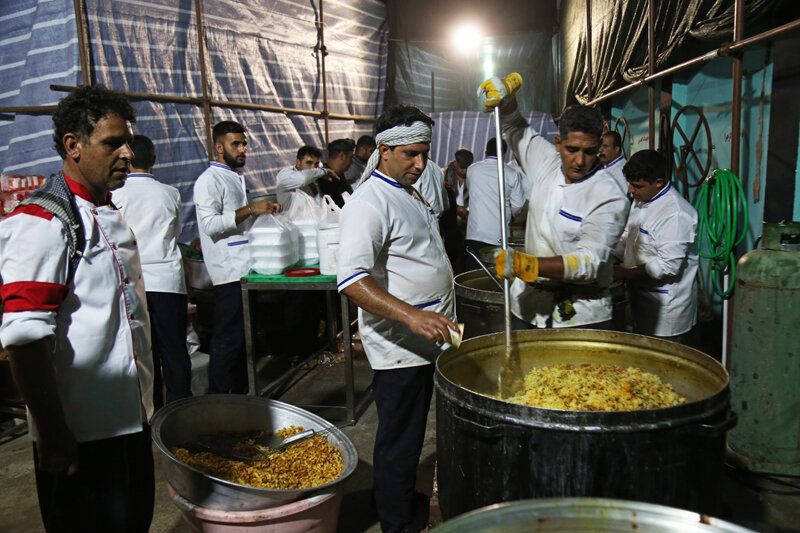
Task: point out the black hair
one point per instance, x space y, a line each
79 111
340 145
464 157
365 141
221 129
491 147
307 149
580 119
616 140
401 114
646 165
143 151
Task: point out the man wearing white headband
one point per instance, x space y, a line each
393 265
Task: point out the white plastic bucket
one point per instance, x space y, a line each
328 247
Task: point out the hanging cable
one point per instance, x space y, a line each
719 202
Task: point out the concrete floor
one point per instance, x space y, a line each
761 505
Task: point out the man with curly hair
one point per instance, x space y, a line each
76 327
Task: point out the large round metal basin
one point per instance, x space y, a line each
182 421
585 514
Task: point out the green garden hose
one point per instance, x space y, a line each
718 204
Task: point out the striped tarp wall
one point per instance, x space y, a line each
472 130
262 52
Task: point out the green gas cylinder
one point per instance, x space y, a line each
765 354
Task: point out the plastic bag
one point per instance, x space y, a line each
329 215
304 212
273 244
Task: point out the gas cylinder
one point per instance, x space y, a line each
765 354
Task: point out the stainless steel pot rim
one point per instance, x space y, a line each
336 433
598 510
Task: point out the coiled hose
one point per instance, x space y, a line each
718 204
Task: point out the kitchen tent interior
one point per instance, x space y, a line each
711 83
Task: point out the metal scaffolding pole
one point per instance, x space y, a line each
206 100
589 48
83 41
724 50
651 69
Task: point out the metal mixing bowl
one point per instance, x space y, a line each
183 421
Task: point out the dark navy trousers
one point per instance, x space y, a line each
402 398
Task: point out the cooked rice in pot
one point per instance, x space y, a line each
595 387
300 466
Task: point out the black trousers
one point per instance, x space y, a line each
171 364
402 398
112 492
227 371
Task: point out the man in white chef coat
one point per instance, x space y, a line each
659 251
340 157
303 176
610 155
393 265
223 215
153 211
483 224
76 327
575 217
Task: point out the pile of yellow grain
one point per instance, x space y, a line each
595 387
304 465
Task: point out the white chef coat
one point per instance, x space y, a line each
102 358
431 185
580 221
389 234
662 235
153 211
291 179
615 170
218 193
483 224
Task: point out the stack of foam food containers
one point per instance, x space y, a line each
14 188
273 244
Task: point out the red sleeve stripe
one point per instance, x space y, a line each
32 296
33 210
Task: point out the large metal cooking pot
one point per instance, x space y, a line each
180 422
479 304
585 514
490 451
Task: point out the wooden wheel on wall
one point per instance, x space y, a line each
684 150
625 134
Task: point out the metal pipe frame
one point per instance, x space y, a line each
323 52
204 100
589 48
651 69
725 50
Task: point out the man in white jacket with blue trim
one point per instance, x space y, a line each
659 251
393 265
223 215
575 217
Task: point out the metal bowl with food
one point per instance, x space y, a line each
184 421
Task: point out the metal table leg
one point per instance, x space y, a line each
249 342
349 383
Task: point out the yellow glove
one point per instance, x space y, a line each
523 266
497 91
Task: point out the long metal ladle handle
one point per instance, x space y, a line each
488 272
501 182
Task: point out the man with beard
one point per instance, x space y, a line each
610 155
223 215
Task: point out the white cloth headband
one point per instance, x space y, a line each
417 132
